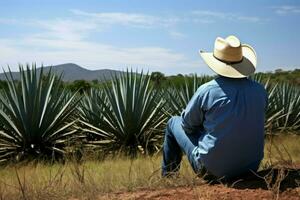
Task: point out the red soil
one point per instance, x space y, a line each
283 184
205 192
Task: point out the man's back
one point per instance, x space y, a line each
222 127
232 132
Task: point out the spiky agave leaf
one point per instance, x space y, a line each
132 116
286 99
34 116
283 111
91 110
272 113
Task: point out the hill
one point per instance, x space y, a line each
72 72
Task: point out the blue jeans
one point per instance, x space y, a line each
176 142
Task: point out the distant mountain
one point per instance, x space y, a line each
73 72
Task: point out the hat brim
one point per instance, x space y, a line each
233 70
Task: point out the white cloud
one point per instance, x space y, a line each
286 9
213 16
208 13
177 35
64 28
93 55
83 23
131 19
146 21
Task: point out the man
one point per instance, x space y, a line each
222 128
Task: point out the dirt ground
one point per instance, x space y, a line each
205 193
283 184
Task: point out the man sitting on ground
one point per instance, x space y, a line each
222 128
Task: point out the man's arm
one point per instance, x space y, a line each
192 116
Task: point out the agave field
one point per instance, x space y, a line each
39 119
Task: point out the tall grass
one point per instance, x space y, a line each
87 180
92 179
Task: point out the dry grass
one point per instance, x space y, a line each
281 148
42 181
93 178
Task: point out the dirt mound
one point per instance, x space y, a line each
275 183
205 192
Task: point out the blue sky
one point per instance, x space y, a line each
153 35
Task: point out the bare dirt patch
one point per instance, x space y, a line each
280 183
206 192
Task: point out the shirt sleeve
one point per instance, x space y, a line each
192 116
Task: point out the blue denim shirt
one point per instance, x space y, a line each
228 116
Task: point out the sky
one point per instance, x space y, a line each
153 35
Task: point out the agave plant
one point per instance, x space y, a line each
273 113
35 116
286 100
283 111
178 98
91 111
127 117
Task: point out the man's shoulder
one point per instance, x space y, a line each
208 85
217 85
208 90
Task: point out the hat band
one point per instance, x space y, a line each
228 62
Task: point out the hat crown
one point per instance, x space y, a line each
229 49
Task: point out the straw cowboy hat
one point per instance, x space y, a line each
231 58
